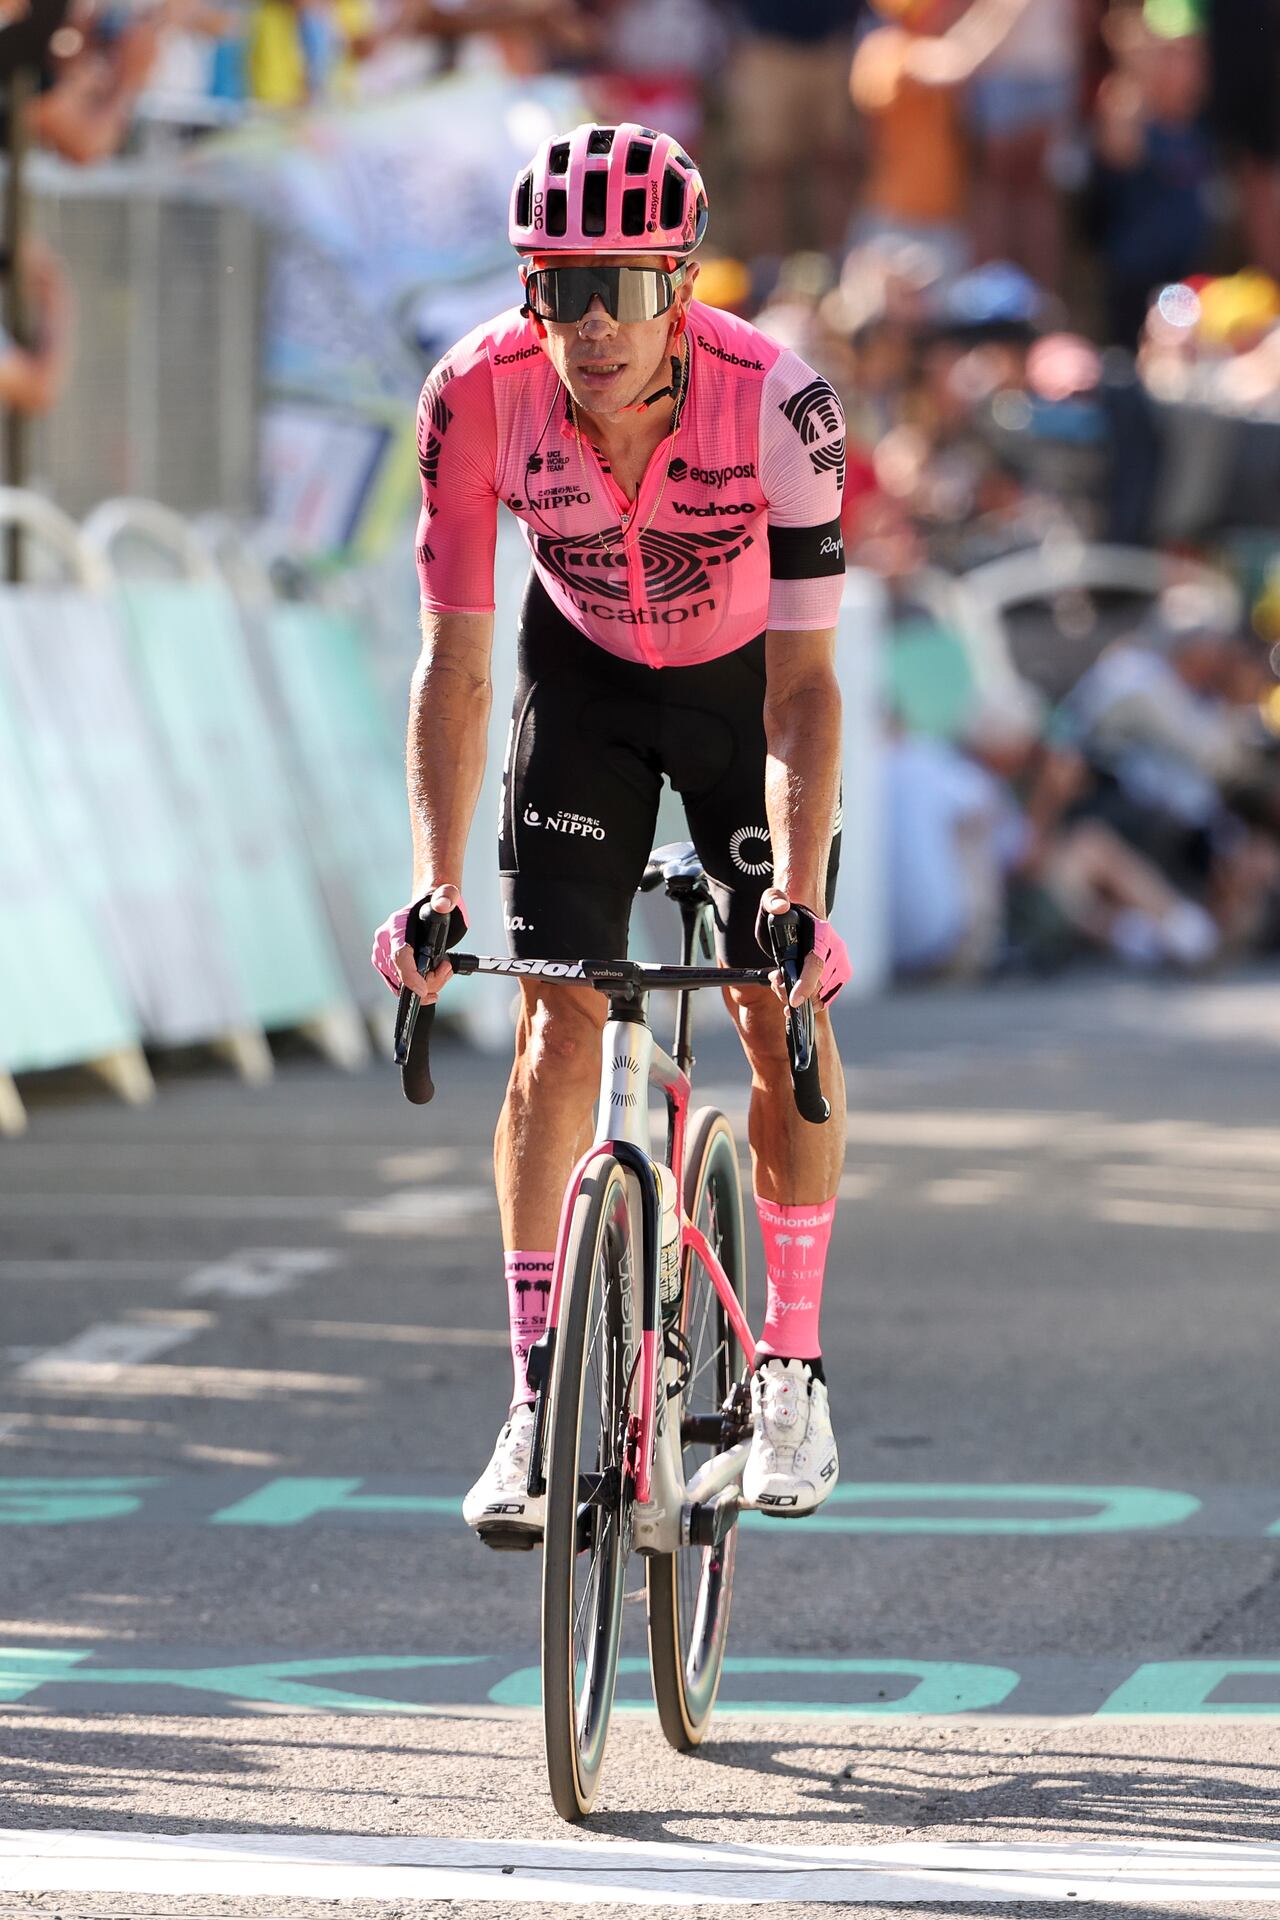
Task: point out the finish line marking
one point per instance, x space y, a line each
632 1873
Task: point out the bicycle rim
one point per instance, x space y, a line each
689 1592
584 1548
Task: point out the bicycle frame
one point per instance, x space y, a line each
632 1063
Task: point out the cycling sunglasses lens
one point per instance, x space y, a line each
628 293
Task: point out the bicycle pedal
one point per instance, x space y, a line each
510 1539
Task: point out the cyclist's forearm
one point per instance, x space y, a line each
449 701
802 781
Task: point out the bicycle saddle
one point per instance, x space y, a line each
677 861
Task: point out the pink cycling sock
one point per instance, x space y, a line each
795 1259
529 1277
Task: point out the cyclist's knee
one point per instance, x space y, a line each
758 1016
559 1032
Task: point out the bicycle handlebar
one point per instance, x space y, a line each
414 1020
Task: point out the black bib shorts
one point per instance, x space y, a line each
591 737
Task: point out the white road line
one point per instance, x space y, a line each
859 1182
81 1269
977 1187
1168 1213
398 1336
1211 1184
102 1353
963 1132
176 1206
425 1163
535 1873
255 1273
420 1210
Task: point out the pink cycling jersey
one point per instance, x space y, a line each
736 527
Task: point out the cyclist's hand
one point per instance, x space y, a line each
827 966
393 952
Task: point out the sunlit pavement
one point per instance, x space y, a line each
253 1354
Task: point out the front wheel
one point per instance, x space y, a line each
585 1546
689 1592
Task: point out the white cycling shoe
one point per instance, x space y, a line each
499 1507
793 1464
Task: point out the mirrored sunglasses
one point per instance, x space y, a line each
628 293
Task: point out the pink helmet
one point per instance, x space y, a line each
620 189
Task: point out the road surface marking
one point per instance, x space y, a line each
961 1131
859 1182
256 1273
1207 1183
976 1187
425 1163
1169 1213
535 1873
80 1269
408 1336
101 1353
420 1210
177 1206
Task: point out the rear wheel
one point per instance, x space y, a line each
689 1592
585 1545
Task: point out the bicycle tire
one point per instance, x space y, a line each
690 1592
582 1584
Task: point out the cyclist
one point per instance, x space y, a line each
678 478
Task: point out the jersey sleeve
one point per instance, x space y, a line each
802 456
457 458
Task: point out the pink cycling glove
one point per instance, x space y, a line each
393 934
815 936
837 968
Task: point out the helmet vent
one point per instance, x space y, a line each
672 211
600 139
633 211
558 158
595 198
557 211
639 154
524 199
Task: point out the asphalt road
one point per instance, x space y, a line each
251 1354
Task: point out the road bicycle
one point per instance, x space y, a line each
643 1412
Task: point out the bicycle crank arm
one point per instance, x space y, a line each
723 1470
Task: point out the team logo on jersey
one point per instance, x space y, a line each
440 414
751 852
675 564
815 414
734 359
679 470
433 397
711 511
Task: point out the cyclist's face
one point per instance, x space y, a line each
609 364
